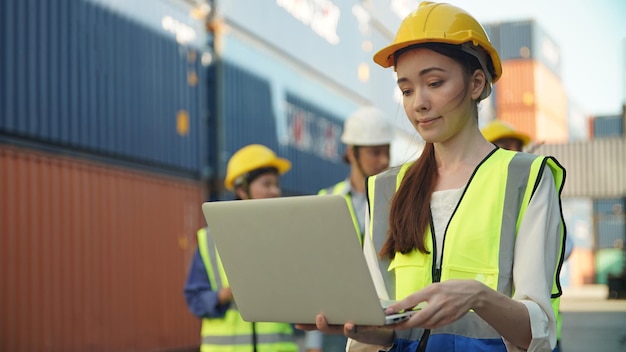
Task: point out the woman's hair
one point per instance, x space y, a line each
410 215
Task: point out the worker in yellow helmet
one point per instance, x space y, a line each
469 235
505 136
252 173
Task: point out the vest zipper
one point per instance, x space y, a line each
435 272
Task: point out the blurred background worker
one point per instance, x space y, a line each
505 136
252 173
367 136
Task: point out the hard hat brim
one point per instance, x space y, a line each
514 135
385 56
281 164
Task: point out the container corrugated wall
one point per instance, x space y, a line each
579 269
610 226
595 169
316 148
551 104
608 126
525 39
85 77
249 117
533 99
93 258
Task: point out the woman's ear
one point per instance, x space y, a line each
477 83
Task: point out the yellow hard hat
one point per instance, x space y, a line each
497 129
442 23
250 158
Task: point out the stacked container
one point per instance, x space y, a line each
103 161
530 94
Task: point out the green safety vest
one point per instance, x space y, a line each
231 333
479 240
342 188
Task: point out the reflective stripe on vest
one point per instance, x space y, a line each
483 236
230 333
342 188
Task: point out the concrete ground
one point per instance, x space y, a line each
591 321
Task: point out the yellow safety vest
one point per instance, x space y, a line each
342 188
231 333
479 240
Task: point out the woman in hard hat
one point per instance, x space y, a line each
470 235
252 173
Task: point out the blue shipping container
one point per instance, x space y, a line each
525 39
610 223
91 78
310 141
608 126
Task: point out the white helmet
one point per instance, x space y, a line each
365 127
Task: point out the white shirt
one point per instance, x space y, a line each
536 254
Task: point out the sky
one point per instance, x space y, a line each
591 36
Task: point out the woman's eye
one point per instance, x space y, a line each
435 84
406 92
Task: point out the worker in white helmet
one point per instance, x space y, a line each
367 135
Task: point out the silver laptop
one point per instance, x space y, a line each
288 259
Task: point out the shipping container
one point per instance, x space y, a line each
292 89
94 257
581 267
299 130
595 169
516 87
550 128
610 224
550 95
528 91
525 39
608 126
578 269
117 79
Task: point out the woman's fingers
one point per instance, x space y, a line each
306 327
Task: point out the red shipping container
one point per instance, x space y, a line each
94 257
533 99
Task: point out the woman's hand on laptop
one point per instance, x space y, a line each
372 335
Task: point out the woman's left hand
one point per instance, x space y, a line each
446 302
372 335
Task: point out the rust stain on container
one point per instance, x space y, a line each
90 255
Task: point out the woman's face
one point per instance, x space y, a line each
263 186
435 93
